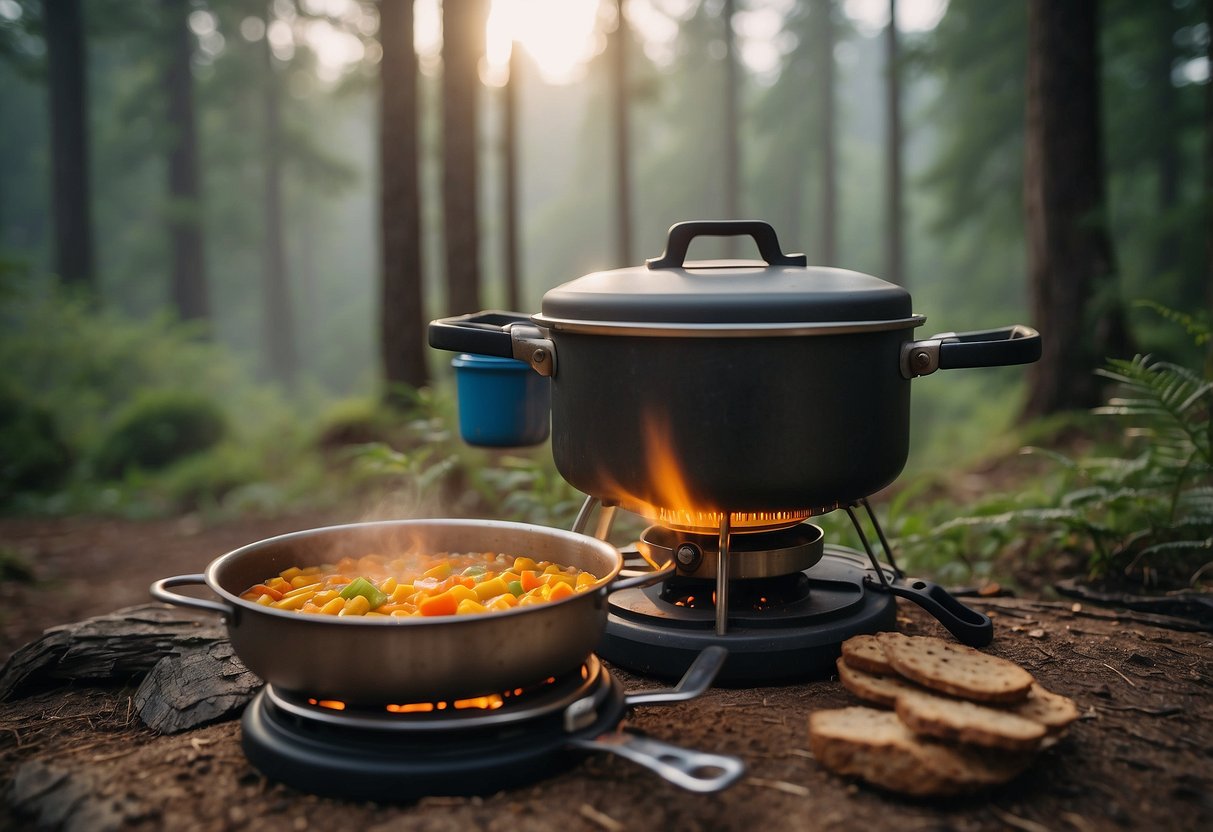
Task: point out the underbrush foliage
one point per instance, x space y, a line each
1140 511
84 367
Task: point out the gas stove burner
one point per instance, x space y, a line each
741 522
781 629
404 751
757 555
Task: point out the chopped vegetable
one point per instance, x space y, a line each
419 585
363 588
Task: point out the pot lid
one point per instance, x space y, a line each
779 289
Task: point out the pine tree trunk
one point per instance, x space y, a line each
513 229
894 227
402 309
278 318
462 48
70 187
1071 274
189 286
823 11
730 128
1209 190
618 46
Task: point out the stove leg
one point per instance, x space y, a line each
583 516
722 577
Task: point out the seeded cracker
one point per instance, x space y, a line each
955 669
955 720
872 687
864 653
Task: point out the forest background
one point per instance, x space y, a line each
233 224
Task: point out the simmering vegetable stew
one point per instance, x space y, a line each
446 584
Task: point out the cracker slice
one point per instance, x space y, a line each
876 747
967 722
1052 710
955 669
864 653
876 688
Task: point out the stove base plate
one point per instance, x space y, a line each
642 637
360 764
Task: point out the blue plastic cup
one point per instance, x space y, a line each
503 403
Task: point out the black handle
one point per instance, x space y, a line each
968 625
481 333
681 234
1016 344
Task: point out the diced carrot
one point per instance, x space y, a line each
442 604
561 590
530 580
265 590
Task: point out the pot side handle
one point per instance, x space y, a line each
1016 344
681 234
481 333
496 333
160 591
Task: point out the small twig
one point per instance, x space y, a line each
1018 822
800 752
102 758
779 786
1165 710
604 820
1132 684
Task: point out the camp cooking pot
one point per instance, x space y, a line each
770 385
412 659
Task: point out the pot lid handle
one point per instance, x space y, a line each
681 234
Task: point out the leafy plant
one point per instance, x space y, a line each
1142 510
158 428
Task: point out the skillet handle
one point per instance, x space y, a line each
681 234
695 771
1015 344
160 592
666 570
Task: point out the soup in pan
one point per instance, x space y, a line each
446 584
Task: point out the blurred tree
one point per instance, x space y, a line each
189 287
277 313
618 44
463 32
70 188
1071 271
731 127
513 228
822 47
894 234
402 308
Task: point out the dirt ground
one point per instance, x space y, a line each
1141 757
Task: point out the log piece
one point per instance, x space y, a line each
113 647
70 801
205 683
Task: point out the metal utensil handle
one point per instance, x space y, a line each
160 592
681 234
481 333
694 682
695 771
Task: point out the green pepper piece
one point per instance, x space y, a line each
515 587
363 587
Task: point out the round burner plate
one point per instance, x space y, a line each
797 641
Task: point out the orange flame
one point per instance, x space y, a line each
671 502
